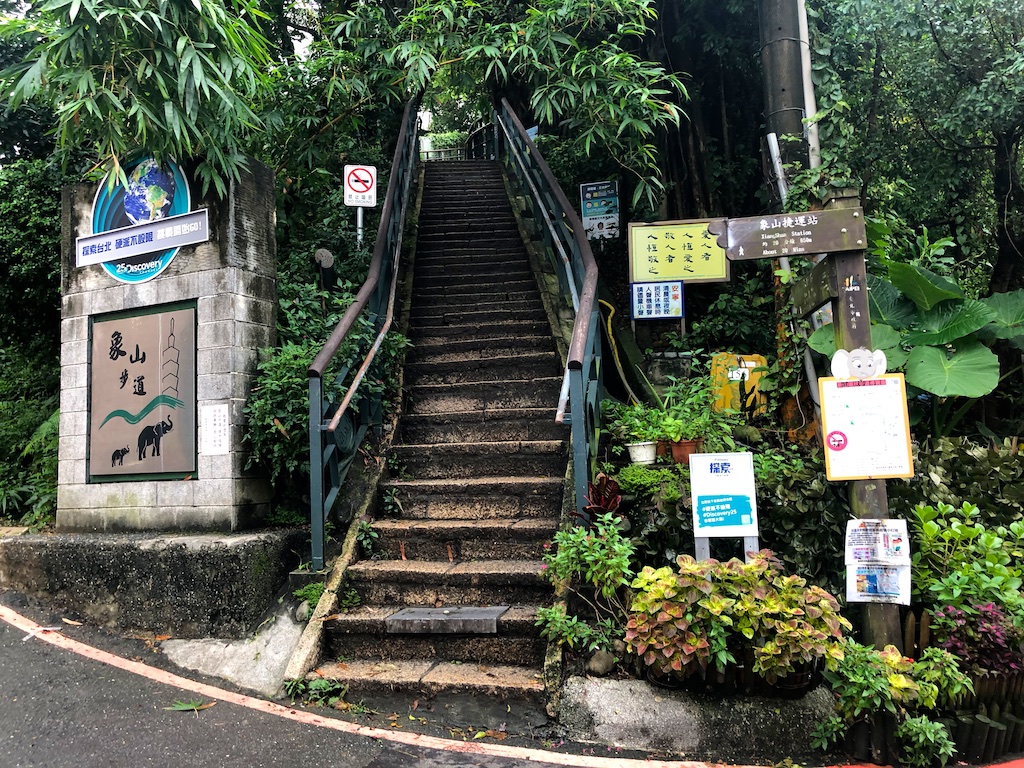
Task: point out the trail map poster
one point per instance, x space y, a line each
142 389
866 428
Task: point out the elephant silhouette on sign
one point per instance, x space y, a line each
117 457
152 435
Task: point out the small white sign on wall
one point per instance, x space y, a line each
214 430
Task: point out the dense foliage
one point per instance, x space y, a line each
174 78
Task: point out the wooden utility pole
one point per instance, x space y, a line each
868 498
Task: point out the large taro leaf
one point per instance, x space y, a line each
887 305
971 371
1009 316
949 321
922 286
883 337
823 340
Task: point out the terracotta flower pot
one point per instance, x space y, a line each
682 450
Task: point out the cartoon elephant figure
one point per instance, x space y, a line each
152 435
117 457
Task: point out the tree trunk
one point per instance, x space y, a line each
1008 271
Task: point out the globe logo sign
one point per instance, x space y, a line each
150 192
153 193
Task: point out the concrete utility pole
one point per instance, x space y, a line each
784 105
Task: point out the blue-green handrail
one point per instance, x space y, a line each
568 249
337 425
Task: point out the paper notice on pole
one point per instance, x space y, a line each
881 542
877 583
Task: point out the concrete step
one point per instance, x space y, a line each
481 498
361 633
486 296
429 340
447 314
429 677
453 277
439 584
451 540
480 426
514 367
484 286
506 237
479 396
447 256
477 225
445 348
527 458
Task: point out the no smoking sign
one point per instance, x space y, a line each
361 186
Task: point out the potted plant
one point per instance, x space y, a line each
635 425
690 423
710 614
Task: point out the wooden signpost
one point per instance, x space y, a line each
840 279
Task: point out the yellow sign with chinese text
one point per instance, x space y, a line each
675 250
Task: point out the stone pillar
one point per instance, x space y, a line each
230 281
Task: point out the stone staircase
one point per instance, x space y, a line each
450 604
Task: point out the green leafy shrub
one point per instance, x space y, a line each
29 422
30 232
961 563
593 565
277 411
714 613
867 683
644 480
447 140
310 593
954 470
802 517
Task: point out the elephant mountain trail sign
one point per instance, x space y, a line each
142 394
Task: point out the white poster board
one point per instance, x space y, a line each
722 487
877 561
866 428
877 583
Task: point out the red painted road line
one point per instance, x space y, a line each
55 638
413 739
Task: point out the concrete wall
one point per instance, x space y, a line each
232 279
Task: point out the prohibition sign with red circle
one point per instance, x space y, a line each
836 440
359 180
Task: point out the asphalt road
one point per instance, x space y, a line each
60 709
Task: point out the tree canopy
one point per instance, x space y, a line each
172 78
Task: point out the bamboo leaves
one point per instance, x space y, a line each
170 78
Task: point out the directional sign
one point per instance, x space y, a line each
818 287
361 186
792 234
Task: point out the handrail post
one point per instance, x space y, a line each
316 472
580 446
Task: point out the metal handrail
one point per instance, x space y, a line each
334 433
563 232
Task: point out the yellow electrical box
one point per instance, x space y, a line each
736 374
